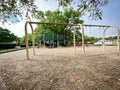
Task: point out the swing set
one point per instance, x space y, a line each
105 28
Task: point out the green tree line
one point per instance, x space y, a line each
6 36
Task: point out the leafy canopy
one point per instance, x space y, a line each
22 39
6 36
93 7
68 16
17 8
28 9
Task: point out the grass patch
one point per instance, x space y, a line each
9 50
110 44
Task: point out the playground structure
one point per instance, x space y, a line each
52 40
105 28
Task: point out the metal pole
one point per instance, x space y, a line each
26 41
33 40
83 39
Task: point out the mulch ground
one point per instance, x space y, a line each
61 69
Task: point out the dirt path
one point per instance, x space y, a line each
61 69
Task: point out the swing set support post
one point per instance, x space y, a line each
83 39
26 41
44 40
104 30
74 39
53 41
118 38
58 43
33 40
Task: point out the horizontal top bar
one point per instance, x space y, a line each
67 24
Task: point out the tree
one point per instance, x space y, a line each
22 39
68 16
91 39
17 8
111 38
93 7
7 36
28 9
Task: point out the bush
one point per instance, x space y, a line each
24 45
7 46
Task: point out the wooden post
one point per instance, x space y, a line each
26 41
44 40
33 40
74 40
104 37
83 39
58 44
40 44
118 39
53 41
103 42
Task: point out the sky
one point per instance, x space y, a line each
111 16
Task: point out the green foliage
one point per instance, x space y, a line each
91 39
7 36
65 3
111 38
78 36
22 39
96 39
68 16
93 7
30 38
28 9
18 8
